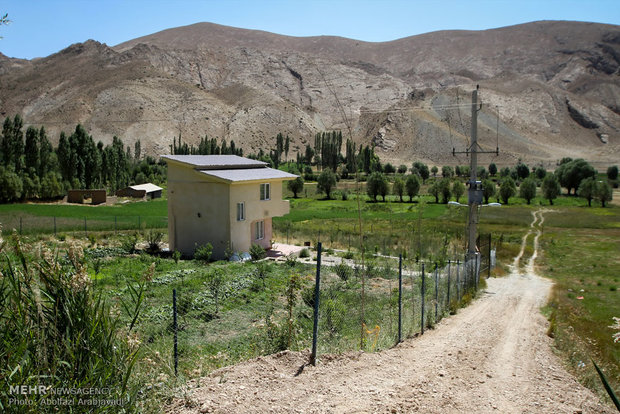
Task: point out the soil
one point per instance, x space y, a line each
492 357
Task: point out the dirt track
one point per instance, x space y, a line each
492 357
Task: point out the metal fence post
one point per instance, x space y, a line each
458 282
139 224
436 292
114 224
448 302
85 228
174 328
20 225
54 226
489 269
400 297
422 307
317 294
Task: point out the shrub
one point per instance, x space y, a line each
176 255
154 238
70 339
203 252
343 271
129 242
257 252
304 253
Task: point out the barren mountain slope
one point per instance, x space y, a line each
554 84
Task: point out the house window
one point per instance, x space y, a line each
260 230
265 192
240 211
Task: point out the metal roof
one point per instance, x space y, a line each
148 187
215 162
249 174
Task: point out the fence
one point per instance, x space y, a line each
373 306
55 225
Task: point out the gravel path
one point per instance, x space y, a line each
492 357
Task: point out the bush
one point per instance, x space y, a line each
154 238
304 253
203 252
343 271
257 252
128 243
69 338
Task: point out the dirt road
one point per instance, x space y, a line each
492 357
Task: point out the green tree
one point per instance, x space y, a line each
492 169
458 189
326 182
50 186
421 169
398 188
527 190
215 283
445 190
402 169
45 153
10 186
571 173
522 171
447 171
434 170
604 193
612 172
31 149
488 190
551 188
507 189
588 189
412 186
296 185
376 185
435 190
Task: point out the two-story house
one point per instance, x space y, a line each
225 200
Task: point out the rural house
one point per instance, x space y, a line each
147 190
225 200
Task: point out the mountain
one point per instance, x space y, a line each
548 89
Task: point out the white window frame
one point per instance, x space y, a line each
265 191
241 211
259 230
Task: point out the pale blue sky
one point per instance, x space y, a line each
42 27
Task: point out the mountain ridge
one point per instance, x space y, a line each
549 89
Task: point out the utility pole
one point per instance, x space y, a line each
475 187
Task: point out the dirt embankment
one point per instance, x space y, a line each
492 357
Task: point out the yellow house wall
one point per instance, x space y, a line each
201 210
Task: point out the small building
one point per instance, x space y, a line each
140 191
78 196
225 200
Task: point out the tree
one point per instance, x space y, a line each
137 150
488 190
571 173
10 186
551 188
215 283
527 190
507 189
389 168
458 189
398 188
45 153
435 190
434 170
287 145
31 149
412 186
421 169
612 172
504 172
588 189
296 186
326 182
604 193
447 171
376 185
445 190
492 169
402 169
522 171
540 172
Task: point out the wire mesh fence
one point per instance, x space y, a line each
56 224
373 304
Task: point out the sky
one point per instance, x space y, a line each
39 28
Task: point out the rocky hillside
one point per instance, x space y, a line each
549 89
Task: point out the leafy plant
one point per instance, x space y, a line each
304 253
176 256
257 252
203 252
154 239
129 242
